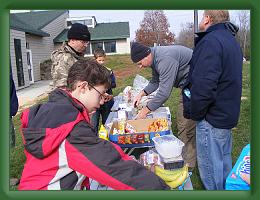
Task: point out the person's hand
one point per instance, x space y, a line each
143 113
138 98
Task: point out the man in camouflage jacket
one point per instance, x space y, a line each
71 51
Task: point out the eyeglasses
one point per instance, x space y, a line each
101 96
84 42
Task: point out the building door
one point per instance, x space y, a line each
30 65
19 62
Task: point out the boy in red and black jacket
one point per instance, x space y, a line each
62 149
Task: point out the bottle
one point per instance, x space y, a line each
102 133
187 92
121 126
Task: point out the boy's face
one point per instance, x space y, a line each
91 96
101 60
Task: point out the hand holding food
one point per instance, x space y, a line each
143 113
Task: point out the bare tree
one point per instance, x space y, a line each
154 28
186 35
243 35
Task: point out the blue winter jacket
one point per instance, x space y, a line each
215 77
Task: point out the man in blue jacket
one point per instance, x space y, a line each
215 85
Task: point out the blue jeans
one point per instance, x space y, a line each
214 147
104 111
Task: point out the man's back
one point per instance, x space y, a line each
181 55
218 57
230 82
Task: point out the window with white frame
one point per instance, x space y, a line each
110 46
87 22
96 45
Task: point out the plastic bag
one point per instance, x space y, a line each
127 94
140 82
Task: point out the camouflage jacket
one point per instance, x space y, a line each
62 59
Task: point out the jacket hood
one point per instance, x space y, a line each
226 25
45 126
232 28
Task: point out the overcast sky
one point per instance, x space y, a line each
176 18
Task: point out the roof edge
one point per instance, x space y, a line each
43 34
53 19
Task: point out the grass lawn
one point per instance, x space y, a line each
125 72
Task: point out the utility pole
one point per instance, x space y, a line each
195 21
195 24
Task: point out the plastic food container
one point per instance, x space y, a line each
168 146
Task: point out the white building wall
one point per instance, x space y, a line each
128 49
40 51
14 34
55 28
43 46
123 46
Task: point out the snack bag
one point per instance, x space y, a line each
121 139
134 139
234 180
129 128
150 159
128 139
103 132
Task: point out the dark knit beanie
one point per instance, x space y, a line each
79 32
139 51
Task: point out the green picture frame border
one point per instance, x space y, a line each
7 5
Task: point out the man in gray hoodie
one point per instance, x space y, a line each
170 68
